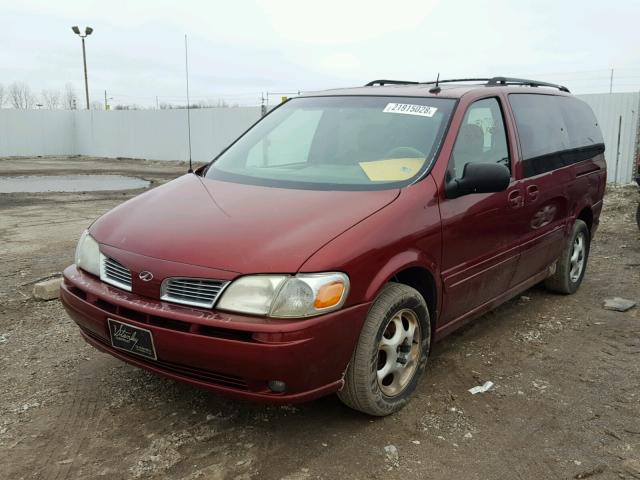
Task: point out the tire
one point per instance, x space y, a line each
567 278
398 311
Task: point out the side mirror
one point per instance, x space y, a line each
479 178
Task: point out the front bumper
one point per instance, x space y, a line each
227 353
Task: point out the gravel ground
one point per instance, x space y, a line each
566 401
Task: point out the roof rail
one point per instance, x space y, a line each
390 82
453 80
522 81
491 82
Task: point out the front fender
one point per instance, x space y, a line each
396 264
404 234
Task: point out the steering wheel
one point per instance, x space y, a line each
405 152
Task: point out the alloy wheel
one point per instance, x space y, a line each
577 258
398 352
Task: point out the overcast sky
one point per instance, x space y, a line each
240 48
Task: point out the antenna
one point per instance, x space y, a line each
437 88
186 68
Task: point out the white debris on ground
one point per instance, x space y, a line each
485 387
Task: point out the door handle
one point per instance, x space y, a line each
532 192
515 199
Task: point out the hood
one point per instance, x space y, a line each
235 227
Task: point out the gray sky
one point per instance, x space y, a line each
238 49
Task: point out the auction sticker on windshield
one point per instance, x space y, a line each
409 109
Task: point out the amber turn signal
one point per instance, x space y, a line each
329 295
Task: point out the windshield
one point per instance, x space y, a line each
349 142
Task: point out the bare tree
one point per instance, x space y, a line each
70 99
50 98
20 95
2 96
131 106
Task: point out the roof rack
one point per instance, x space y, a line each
454 80
390 82
522 81
491 82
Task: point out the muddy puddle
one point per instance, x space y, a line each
69 183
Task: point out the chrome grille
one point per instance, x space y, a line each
114 273
197 292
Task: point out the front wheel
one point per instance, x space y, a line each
572 262
391 354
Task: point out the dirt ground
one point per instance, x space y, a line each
566 401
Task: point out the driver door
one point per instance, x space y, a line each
480 246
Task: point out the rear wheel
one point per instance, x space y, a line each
572 262
391 353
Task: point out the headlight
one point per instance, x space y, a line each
88 254
304 295
252 294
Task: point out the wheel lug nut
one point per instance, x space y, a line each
402 360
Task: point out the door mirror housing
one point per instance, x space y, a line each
479 178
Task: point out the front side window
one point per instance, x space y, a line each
349 142
481 139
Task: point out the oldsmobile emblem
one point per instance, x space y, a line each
145 276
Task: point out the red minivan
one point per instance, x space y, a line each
330 245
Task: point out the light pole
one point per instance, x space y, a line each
87 32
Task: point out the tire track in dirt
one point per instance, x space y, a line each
55 450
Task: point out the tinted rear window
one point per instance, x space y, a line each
554 131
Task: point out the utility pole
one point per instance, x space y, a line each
106 101
87 32
611 82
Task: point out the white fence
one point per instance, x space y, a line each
29 133
162 134
149 134
617 112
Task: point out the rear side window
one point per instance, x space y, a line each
554 131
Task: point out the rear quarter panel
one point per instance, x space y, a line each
587 190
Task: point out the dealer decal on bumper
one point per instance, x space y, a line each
132 339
